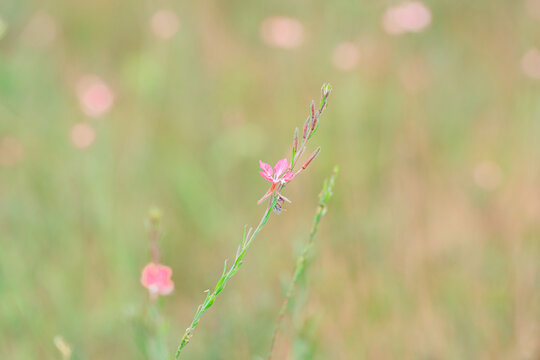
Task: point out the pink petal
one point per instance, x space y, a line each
266 168
163 273
288 177
281 166
266 176
148 275
166 287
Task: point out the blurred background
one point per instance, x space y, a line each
430 248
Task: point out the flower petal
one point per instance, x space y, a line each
165 272
148 276
166 287
266 176
266 168
281 166
288 177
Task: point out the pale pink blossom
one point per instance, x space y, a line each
283 32
279 175
412 16
164 24
530 64
95 96
157 279
82 135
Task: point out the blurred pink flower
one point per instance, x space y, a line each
95 96
164 24
82 135
11 151
157 279
530 64
280 175
346 56
411 16
282 31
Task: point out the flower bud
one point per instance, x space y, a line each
326 89
315 118
311 157
295 140
306 125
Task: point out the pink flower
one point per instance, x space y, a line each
282 32
280 175
412 16
157 279
165 24
95 97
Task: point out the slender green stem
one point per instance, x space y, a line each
301 261
247 239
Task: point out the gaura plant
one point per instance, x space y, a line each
280 175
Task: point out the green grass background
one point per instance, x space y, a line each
414 260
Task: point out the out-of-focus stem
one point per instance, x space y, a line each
301 261
154 250
154 233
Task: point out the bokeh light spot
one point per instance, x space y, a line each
411 16
82 135
95 96
283 32
164 24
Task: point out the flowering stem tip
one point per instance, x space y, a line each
279 176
